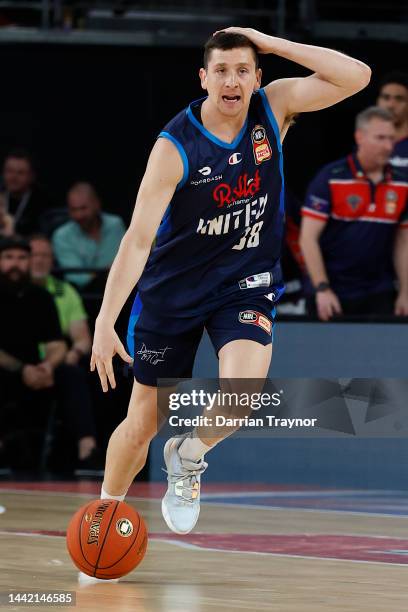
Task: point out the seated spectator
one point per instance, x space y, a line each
354 222
23 375
74 326
90 239
393 96
30 319
71 311
24 200
6 220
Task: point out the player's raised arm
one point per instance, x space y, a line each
164 171
336 76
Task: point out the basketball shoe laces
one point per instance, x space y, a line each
186 482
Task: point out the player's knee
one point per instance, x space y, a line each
138 433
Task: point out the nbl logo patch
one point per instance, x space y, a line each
255 318
260 145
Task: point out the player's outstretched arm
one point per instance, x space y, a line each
164 171
336 76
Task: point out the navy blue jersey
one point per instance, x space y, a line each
357 242
221 234
399 157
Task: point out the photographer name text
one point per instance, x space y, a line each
223 421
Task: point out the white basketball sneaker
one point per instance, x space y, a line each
181 504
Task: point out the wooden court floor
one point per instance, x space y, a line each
255 548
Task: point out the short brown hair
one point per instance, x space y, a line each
227 41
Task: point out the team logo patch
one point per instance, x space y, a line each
235 158
391 199
260 144
354 201
255 318
391 195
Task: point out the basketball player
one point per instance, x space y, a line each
212 195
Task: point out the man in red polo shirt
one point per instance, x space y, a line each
354 225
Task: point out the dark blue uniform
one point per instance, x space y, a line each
216 257
357 242
399 158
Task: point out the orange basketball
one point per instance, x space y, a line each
106 538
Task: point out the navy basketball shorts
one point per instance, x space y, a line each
164 347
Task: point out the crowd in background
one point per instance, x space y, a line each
45 327
346 254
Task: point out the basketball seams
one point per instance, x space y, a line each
85 570
110 577
106 535
80 533
130 546
82 568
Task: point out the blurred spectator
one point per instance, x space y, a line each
74 326
29 319
23 376
90 239
393 96
24 200
348 234
71 311
6 220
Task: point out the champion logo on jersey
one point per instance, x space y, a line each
205 171
235 158
264 279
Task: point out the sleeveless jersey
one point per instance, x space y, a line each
221 235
